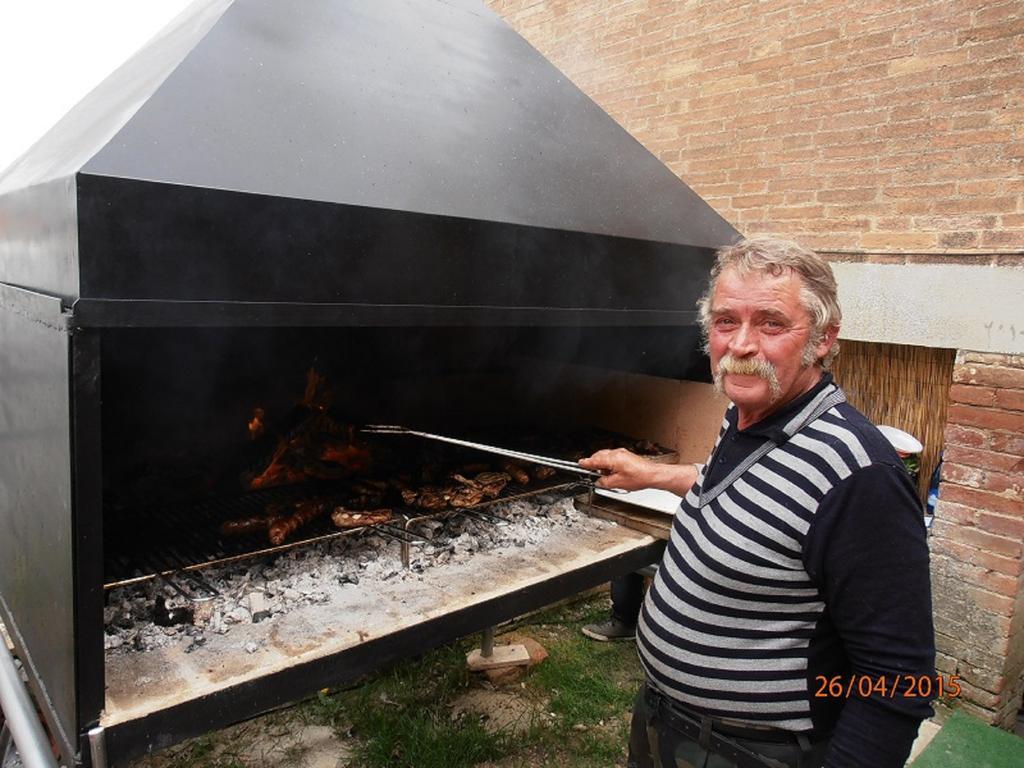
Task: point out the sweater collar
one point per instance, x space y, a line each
783 423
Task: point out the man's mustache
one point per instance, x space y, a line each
748 366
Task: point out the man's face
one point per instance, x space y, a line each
758 319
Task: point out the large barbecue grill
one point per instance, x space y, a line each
404 194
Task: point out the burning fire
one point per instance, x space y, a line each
256 425
318 395
316 448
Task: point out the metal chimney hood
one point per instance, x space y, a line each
379 163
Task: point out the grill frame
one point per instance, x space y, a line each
65 660
248 699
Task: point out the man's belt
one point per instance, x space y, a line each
720 736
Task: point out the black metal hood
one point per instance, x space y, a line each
394 153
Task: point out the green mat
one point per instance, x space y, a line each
965 742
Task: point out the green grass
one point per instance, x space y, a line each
606 748
427 740
585 680
589 687
402 718
965 741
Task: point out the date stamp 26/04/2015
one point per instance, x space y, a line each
908 686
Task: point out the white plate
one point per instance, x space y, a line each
904 442
650 498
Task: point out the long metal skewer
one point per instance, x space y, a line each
562 464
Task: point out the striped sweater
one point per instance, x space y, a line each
811 565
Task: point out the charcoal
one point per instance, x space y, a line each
164 616
264 592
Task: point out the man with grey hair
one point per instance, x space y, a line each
789 623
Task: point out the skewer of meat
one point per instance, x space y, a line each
245 526
347 518
305 511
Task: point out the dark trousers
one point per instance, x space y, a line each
627 597
662 736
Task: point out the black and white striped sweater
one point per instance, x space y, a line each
812 565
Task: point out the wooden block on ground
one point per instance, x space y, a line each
503 656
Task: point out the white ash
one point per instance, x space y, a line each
265 589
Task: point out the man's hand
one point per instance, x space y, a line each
624 469
621 469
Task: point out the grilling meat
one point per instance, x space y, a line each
347 518
351 457
517 471
466 496
308 443
244 526
541 472
304 512
459 493
433 498
492 483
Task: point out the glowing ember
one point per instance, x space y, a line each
318 395
277 473
317 448
256 425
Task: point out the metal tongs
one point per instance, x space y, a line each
548 461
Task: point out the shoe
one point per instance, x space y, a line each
613 629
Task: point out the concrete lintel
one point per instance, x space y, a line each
933 305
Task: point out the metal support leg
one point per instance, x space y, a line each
98 747
405 554
487 643
22 720
489 657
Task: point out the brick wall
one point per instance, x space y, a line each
878 131
870 126
978 535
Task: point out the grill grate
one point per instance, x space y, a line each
175 542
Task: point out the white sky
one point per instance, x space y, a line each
53 52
